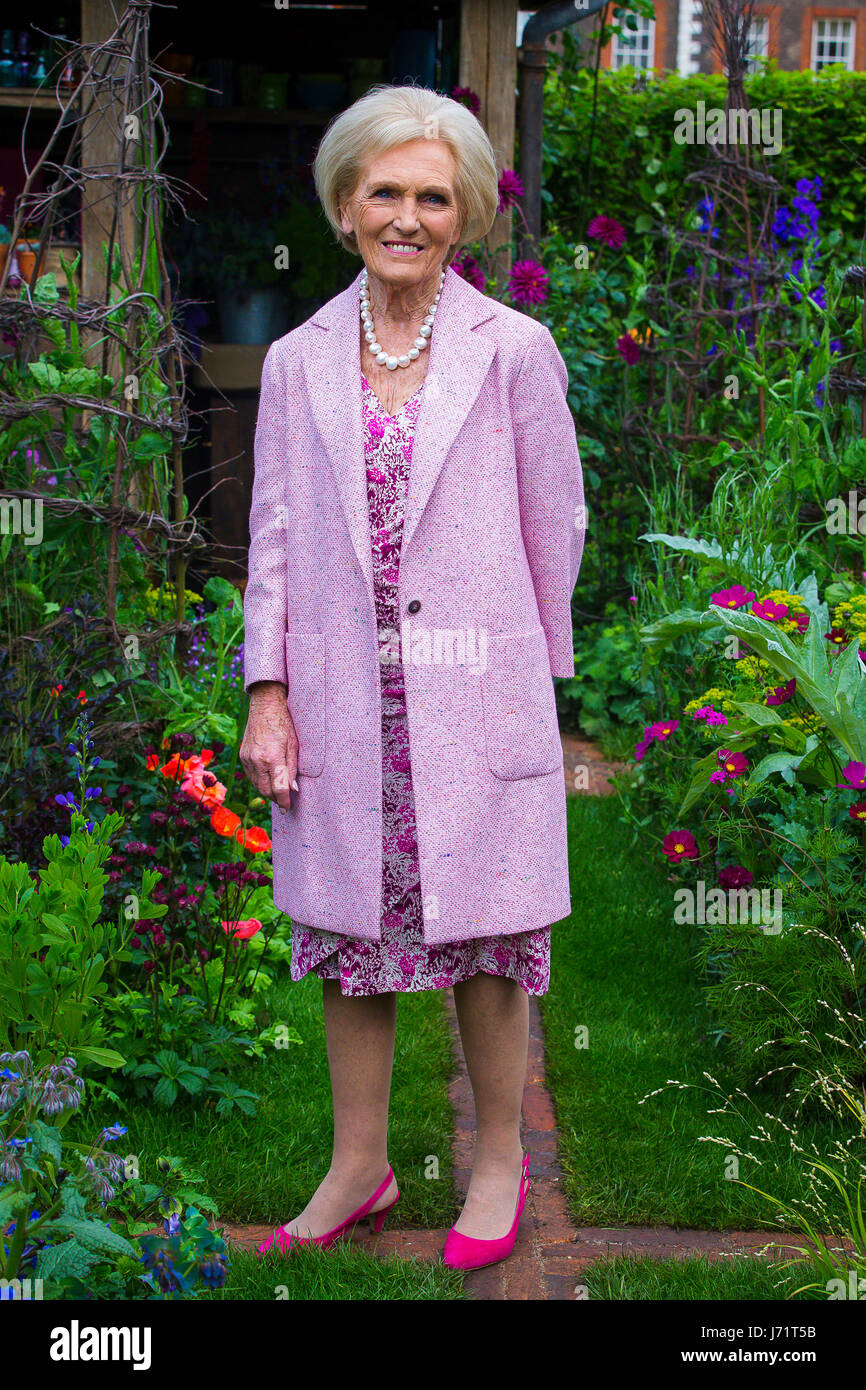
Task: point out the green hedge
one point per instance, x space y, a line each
823 132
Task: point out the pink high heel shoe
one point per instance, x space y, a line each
286 1242
466 1252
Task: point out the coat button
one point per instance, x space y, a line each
415 606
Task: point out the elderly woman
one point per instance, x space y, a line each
417 526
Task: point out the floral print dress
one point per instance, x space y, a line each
402 960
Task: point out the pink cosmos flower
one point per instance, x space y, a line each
732 764
659 730
855 777
679 844
858 811
782 693
735 876
735 597
767 608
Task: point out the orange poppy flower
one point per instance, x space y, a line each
225 822
255 839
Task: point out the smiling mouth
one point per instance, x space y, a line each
402 248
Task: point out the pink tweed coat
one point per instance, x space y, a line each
493 536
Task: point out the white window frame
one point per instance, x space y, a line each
850 37
625 57
759 41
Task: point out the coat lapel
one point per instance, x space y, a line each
459 363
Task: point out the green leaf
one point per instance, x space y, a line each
150 445
47 1140
774 762
46 375
46 290
66 1261
82 381
94 1235
102 1056
165 1091
694 545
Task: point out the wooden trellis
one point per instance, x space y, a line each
117 140
741 196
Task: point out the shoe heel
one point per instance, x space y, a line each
378 1218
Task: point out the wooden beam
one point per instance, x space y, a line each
488 65
99 151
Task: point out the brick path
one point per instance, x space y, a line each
586 771
551 1253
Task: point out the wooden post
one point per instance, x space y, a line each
99 150
488 64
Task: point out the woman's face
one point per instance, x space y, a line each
405 197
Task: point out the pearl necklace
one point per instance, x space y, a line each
376 348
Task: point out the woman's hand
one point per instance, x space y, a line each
269 751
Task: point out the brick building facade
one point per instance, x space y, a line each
796 33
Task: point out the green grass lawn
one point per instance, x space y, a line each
623 969
335 1275
739 1278
265 1168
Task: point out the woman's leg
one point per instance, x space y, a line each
493 1013
360 1038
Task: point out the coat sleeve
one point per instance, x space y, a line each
266 597
550 490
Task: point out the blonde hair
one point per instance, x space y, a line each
386 117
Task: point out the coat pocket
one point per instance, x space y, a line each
521 730
305 669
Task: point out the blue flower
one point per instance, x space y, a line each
114 1131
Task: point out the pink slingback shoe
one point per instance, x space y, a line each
466 1252
285 1242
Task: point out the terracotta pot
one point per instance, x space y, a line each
26 264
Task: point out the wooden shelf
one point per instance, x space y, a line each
39 98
